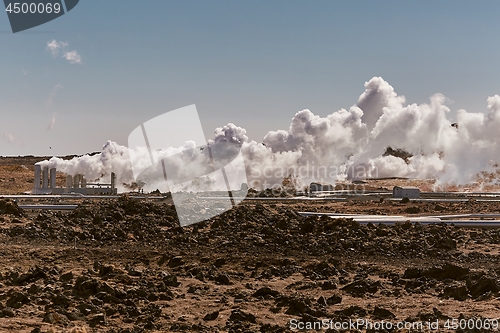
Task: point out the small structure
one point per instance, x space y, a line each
42 180
320 187
409 192
74 184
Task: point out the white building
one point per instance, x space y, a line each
409 192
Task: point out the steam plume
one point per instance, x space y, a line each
346 144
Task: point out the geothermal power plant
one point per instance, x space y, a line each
45 183
45 187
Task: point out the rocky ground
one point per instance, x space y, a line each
126 266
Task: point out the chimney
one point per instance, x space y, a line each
53 178
69 181
38 170
45 178
76 181
113 181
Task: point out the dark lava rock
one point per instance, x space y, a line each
55 318
381 313
459 293
381 231
66 277
86 308
211 316
220 262
222 279
360 287
269 328
435 315
98 319
74 315
446 243
17 299
335 299
328 285
86 286
307 226
8 312
61 300
352 311
34 274
322 301
134 272
170 280
106 269
448 271
10 207
176 262
323 270
412 210
482 286
439 208
297 305
266 292
238 315
412 273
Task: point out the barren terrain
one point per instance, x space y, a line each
125 265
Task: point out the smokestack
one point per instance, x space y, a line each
53 178
83 182
113 181
38 170
76 181
69 181
45 178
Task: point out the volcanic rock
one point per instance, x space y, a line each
381 313
211 316
238 315
360 287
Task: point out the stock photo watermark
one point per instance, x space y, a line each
418 326
24 15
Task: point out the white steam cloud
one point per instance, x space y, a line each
52 123
347 144
50 99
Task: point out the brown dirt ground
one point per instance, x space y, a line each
126 266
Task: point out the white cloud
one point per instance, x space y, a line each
55 48
11 139
73 57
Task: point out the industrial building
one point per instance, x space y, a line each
320 187
45 183
409 192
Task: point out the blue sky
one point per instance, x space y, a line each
252 63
